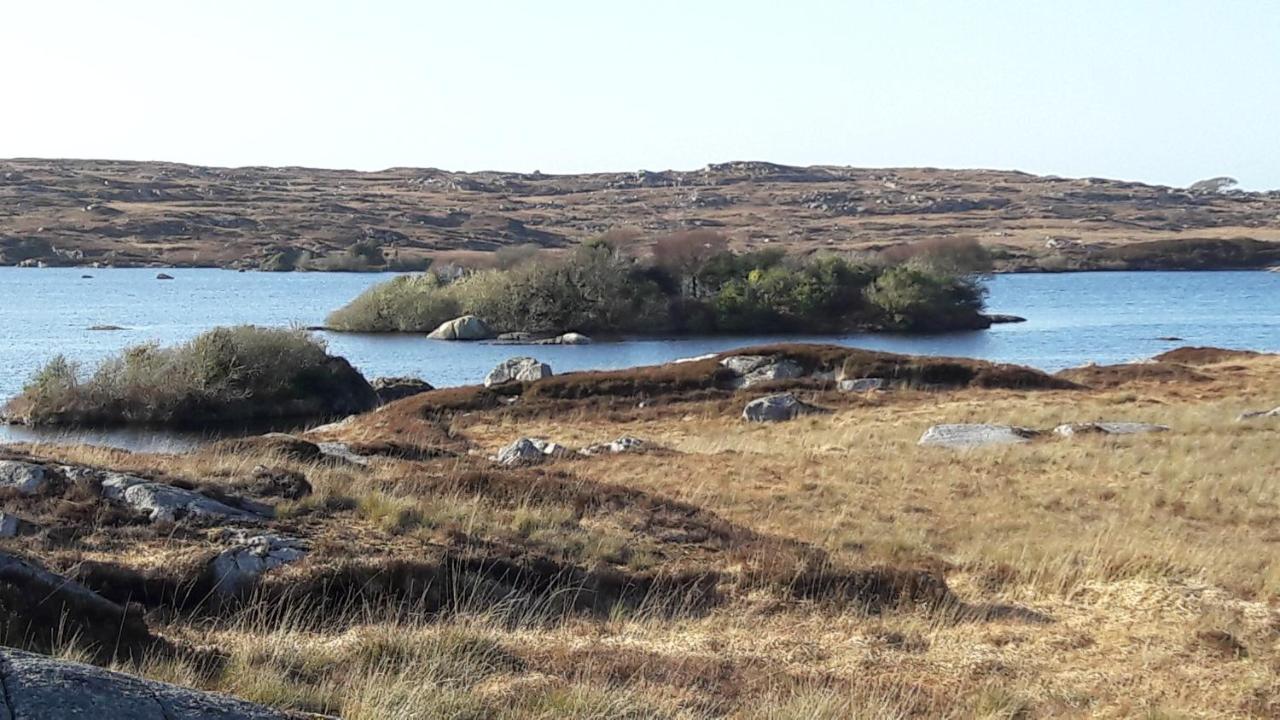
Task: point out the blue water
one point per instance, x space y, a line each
1072 319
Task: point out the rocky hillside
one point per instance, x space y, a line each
85 212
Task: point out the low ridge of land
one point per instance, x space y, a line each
116 213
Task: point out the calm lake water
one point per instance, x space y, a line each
1072 319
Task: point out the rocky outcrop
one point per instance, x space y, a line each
342 452
1259 414
569 338
778 408
23 478
390 389
752 370
37 687
860 385
624 444
163 502
529 451
976 435
237 569
1108 428
517 369
467 327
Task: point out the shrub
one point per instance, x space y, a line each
227 375
912 298
409 303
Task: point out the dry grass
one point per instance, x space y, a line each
1144 567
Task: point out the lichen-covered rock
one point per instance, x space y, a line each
1108 428
390 389
517 369
754 370
238 568
467 327
861 385
624 444
1259 414
164 502
341 452
528 451
975 435
23 477
569 338
38 687
778 408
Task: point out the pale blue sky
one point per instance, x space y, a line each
1166 92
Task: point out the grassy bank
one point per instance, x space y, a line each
692 284
228 375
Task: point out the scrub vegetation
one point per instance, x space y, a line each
690 282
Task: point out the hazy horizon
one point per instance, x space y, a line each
1159 92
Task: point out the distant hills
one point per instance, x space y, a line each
115 213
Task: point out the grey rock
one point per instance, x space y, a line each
12 526
238 568
529 451
998 319
624 444
164 276
1108 428
169 503
341 451
517 369
778 408
757 369
975 435
1259 414
742 364
23 477
861 385
570 338
38 687
467 327
390 389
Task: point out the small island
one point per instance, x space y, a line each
690 283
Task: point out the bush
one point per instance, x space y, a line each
911 298
594 289
227 375
409 303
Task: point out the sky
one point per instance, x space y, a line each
1168 91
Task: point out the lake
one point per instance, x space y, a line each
1072 319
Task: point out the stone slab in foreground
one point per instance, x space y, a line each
975 435
38 687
